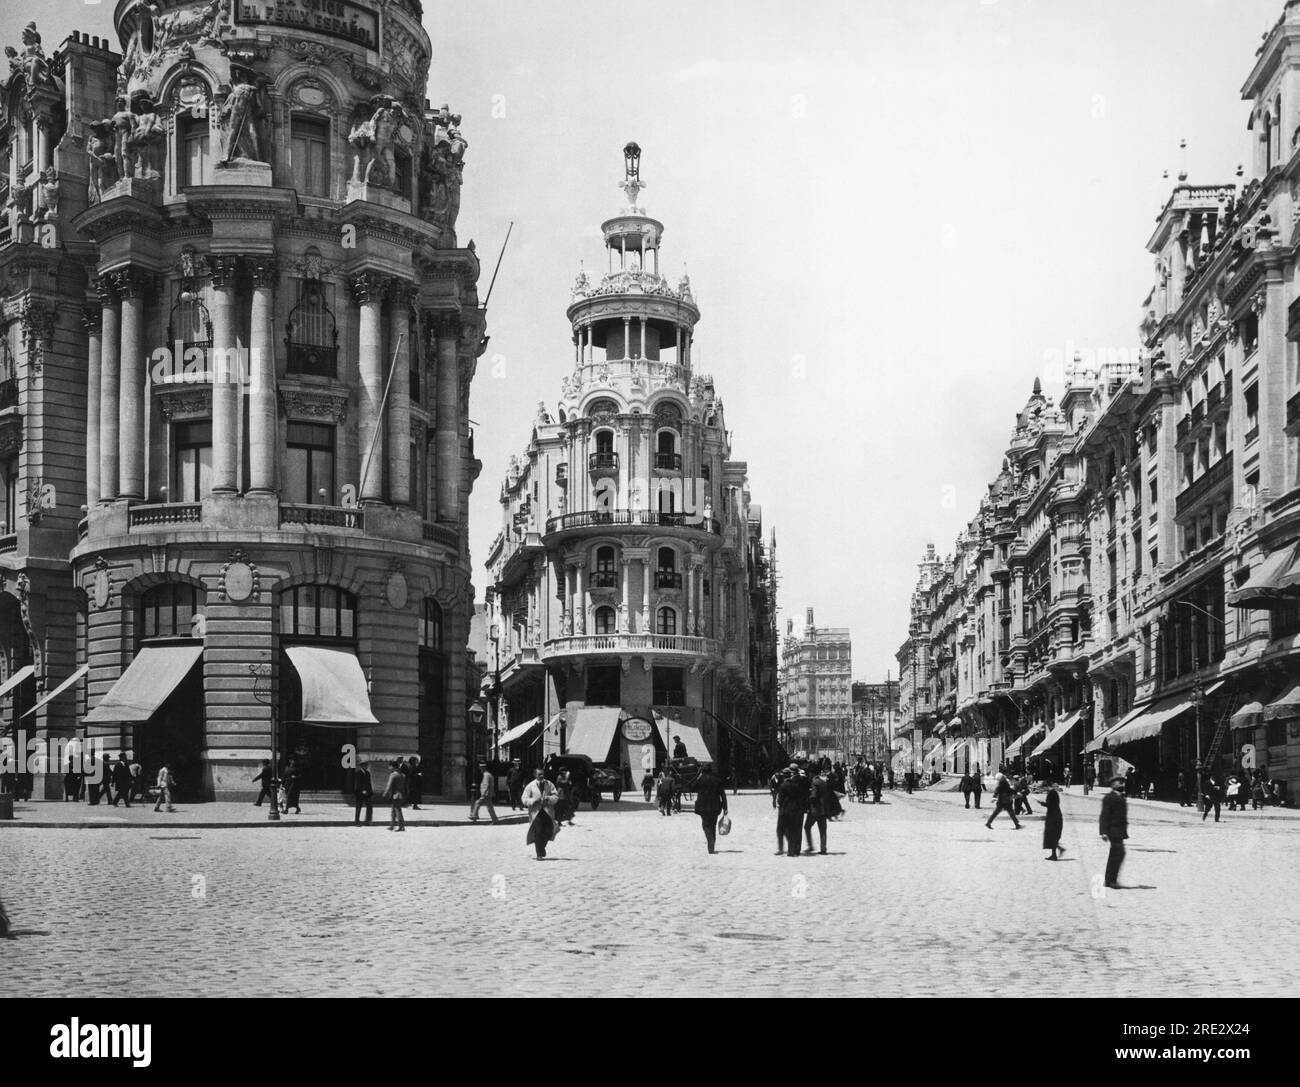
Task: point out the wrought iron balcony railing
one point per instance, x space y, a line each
165 514
619 518
312 360
602 463
346 517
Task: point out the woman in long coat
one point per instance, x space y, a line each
568 801
540 799
1053 826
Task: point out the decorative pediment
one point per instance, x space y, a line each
313 405
184 402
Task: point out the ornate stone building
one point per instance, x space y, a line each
623 579
1149 598
246 358
817 688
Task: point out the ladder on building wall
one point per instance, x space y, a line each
1216 745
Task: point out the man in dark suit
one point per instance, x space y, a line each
365 793
121 781
710 802
792 803
1002 798
1114 828
515 785
977 786
819 809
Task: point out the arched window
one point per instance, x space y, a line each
170 611
431 626
319 612
667 622
605 620
602 407
606 574
666 456
666 575
190 325
313 336
604 441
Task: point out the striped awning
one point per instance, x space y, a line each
1058 733
1016 745
1286 707
1274 581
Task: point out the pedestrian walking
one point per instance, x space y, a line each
1114 828
1022 797
1213 793
966 787
648 785
293 789
1068 775
679 749
515 784
819 808
877 782
1089 778
793 805
710 803
540 799
664 790
976 786
1182 789
415 783
395 794
121 781
1002 801
70 785
101 787
165 785
1053 824
487 786
363 790
267 778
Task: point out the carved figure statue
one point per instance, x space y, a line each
171 27
145 139
32 60
100 158
441 174
240 116
375 139
49 191
123 122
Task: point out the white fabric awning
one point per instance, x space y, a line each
1150 722
17 678
1016 745
1058 733
519 731
156 671
669 731
71 681
1286 706
333 686
591 731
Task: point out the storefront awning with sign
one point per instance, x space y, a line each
333 687
591 731
671 729
1016 745
1286 707
1251 715
146 684
1058 733
1274 581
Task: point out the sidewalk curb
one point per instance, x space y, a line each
22 824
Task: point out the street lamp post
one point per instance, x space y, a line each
1197 696
264 696
496 689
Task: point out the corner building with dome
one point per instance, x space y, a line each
240 332
630 585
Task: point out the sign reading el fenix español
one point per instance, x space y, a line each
338 18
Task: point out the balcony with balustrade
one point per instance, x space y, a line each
671 647
597 522
329 518
1216 478
601 465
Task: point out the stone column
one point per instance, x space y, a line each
109 381
262 444
580 627
627 337
368 290
690 600
647 615
92 318
448 419
130 284
224 368
626 608
399 398
643 338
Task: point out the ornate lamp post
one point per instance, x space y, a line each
262 692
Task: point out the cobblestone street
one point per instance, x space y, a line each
917 898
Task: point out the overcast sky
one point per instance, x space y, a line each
895 214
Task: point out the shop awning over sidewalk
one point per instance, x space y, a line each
591 731
71 681
1251 715
1017 744
518 732
669 731
146 684
1275 580
1096 743
1286 707
333 686
18 677
1058 733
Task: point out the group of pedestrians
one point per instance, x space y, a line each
805 798
972 786
867 778
118 782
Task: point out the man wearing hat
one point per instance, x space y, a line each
792 802
1114 828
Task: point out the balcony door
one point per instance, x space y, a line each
309 465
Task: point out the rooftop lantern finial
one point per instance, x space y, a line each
632 183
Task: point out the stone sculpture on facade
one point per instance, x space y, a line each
123 124
100 158
49 195
240 117
441 173
374 141
146 139
176 26
31 63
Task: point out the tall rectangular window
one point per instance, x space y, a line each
191 462
309 465
195 159
9 515
309 148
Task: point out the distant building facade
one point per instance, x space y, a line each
817 687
